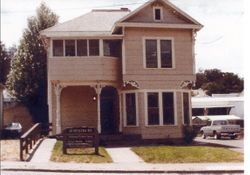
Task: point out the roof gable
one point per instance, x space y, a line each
171 14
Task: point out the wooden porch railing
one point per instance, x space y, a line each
28 140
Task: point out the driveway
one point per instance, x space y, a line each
236 144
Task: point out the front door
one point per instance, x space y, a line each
108 111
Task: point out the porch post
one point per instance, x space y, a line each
98 89
120 110
58 90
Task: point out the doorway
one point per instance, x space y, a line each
109 110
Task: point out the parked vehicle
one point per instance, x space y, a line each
13 130
219 128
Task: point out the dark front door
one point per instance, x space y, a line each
108 110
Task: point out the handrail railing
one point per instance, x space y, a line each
28 140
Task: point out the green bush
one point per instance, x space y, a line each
188 134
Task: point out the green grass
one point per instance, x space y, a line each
85 155
187 154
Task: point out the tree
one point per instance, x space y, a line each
4 63
27 80
215 81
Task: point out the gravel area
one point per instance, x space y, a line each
9 150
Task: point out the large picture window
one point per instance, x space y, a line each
158 53
160 108
131 109
57 47
186 113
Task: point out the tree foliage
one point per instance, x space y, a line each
27 80
4 63
215 81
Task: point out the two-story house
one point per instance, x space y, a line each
121 71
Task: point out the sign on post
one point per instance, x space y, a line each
80 137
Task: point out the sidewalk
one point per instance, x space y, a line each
124 167
44 151
125 161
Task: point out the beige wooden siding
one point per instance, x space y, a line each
169 16
146 77
84 69
78 107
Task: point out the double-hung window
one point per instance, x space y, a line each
160 108
158 53
131 109
186 110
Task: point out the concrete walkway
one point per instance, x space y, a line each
123 155
43 153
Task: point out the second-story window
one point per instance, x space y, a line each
158 53
57 47
112 48
94 47
70 49
151 54
82 48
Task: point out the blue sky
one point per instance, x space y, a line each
218 45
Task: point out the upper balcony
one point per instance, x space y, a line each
85 60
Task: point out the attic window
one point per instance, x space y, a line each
157 13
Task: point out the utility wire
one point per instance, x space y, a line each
75 8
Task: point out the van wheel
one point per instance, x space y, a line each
203 135
216 135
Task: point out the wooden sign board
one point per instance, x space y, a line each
80 137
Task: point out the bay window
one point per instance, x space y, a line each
186 110
131 116
160 108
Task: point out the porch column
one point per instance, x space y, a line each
98 89
58 89
120 110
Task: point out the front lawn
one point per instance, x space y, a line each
187 154
79 155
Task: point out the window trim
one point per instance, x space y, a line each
190 107
160 92
158 39
161 13
125 112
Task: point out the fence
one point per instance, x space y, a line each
28 140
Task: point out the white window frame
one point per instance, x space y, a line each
161 13
190 107
160 92
158 40
125 112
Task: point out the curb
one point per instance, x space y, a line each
125 171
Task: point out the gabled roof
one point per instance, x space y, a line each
163 1
96 22
105 22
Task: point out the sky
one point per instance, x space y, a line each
218 45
